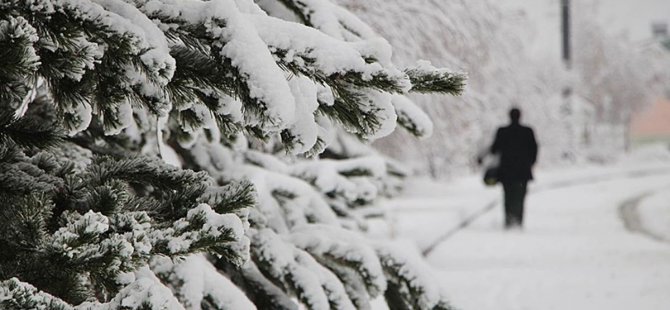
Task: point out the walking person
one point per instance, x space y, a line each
516 146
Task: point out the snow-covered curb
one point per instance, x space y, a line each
654 214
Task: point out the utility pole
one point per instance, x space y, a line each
565 29
567 104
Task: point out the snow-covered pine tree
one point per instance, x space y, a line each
109 107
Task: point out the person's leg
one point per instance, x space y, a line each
515 194
508 202
522 198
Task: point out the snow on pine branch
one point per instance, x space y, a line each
412 117
297 271
281 225
227 89
295 199
324 58
346 249
410 278
145 292
330 19
428 79
15 294
137 42
198 282
235 41
348 180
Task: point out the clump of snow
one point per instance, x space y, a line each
124 115
137 226
325 95
146 290
285 264
92 223
240 43
380 103
414 273
198 279
330 56
267 161
214 226
167 153
300 201
411 116
331 19
19 28
21 294
127 18
304 129
330 176
249 7
83 113
341 244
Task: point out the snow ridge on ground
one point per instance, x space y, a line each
654 213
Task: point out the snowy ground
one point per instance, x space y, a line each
654 213
576 251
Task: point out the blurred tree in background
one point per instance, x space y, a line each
511 50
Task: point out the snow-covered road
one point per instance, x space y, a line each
574 253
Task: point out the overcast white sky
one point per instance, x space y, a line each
634 16
630 17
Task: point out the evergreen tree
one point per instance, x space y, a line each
170 154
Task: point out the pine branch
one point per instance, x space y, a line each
148 171
328 15
18 57
346 110
231 197
20 295
18 60
300 9
27 132
263 293
196 72
306 65
226 124
406 288
80 230
432 80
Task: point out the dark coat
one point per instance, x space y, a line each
517 148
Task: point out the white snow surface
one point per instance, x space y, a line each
574 251
409 112
201 279
342 245
329 18
328 175
84 114
305 128
330 56
654 214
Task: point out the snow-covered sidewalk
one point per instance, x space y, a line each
574 252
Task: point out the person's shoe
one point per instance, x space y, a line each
513 226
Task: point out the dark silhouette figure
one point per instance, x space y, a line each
517 148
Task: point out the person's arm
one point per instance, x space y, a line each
497 143
533 147
494 148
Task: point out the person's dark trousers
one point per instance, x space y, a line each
515 194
